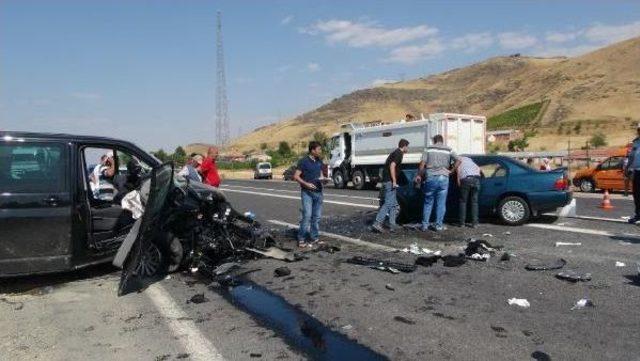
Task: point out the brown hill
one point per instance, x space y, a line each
595 90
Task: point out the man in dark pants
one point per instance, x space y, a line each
633 165
390 183
468 178
309 175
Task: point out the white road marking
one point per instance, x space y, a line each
355 241
188 334
298 192
298 198
582 230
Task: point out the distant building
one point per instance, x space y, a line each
503 135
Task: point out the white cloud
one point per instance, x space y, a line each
514 40
360 35
414 53
472 42
86 96
612 33
379 82
558 37
565 50
286 20
313 67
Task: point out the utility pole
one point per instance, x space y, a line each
222 116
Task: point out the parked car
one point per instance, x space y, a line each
288 173
510 190
607 175
52 219
263 171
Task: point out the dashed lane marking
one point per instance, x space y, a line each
583 230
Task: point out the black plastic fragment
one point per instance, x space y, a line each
282 271
374 262
454 260
198 298
427 261
548 266
573 276
540 356
406 320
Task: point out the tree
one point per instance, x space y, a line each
518 145
179 156
284 149
263 146
161 155
598 140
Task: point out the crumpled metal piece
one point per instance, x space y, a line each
546 266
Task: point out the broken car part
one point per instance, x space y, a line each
427 261
546 266
573 276
374 262
519 302
282 271
454 260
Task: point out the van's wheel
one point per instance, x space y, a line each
586 185
150 262
514 211
358 180
338 179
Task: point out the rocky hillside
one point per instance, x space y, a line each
594 90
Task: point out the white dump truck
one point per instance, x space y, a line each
358 152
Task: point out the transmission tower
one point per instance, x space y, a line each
222 116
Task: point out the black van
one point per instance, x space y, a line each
56 214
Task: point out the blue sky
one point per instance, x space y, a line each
145 70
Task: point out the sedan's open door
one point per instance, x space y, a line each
140 256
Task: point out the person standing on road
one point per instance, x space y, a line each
309 175
190 169
633 167
209 169
468 179
389 184
435 167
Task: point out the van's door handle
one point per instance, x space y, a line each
52 201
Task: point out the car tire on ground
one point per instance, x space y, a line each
358 180
338 179
513 211
587 185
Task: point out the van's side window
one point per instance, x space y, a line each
33 168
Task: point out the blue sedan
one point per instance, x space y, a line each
510 190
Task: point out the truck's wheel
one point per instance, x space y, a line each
358 179
338 179
514 211
586 185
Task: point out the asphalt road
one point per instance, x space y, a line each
434 313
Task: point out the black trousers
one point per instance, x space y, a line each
636 191
469 189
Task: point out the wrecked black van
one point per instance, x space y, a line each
54 215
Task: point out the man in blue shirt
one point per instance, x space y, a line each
309 175
633 166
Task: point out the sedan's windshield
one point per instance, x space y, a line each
264 166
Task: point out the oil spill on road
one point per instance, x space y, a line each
298 328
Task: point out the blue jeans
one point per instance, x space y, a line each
435 188
310 219
390 205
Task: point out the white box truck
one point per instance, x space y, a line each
358 152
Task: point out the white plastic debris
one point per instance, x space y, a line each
558 244
519 302
487 235
620 264
507 233
626 218
585 302
437 253
416 250
347 327
480 257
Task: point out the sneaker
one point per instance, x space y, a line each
439 228
634 219
377 227
394 228
425 228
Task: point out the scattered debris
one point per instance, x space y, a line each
479 249
225 268
585 302
487 235
389 287
507 233
282 271
406 320
558 244
418 251
519 302
329 248
347 327
540 356
505 257
454 260
255 355
198 298
620 264
182 356
546 266
427 261
573 276
393 267
277 253
479 257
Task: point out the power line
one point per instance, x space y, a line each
222 115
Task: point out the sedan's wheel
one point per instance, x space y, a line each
338 179
358 180
150 261
586 185
514 211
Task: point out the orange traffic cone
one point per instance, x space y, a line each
606 201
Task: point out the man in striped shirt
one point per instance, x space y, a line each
435 167
468 179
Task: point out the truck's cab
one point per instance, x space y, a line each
339 163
